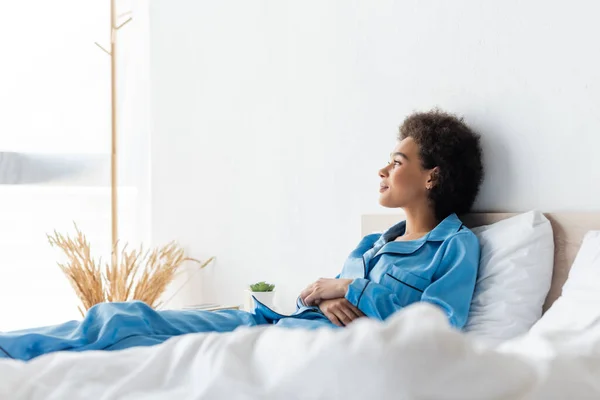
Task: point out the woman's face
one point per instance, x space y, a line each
404 181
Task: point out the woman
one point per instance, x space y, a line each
433 174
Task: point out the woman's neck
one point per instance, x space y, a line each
419 220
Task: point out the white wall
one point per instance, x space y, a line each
271 119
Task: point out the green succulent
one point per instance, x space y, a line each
262 287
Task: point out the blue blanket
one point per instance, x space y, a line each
116 326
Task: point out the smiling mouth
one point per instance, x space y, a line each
383 188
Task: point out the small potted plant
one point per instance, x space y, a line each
263 292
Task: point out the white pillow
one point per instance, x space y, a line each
579 304
515 273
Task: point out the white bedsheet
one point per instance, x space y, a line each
414 355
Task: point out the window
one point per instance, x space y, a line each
55 146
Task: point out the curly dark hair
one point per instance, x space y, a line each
446 142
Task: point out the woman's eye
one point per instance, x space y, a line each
396 163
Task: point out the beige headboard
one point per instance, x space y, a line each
569 229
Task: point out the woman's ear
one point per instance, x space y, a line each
432 180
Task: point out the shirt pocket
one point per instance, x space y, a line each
406 286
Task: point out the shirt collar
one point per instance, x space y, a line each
449 226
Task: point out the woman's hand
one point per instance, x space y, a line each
340 311
325 289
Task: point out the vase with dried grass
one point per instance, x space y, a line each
135 275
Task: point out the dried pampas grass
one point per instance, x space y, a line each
137 275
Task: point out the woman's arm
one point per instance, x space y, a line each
300 300
451 289
338 310
324 289
454 284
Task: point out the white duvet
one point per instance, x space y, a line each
414 355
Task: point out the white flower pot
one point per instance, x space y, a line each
267 298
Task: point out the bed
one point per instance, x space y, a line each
413 355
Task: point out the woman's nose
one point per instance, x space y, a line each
383 172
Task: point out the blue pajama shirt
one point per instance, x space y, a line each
440 268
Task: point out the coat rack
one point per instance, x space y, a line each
138 274
112 53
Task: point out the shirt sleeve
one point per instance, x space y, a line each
451 289
299 303
454 283
373 299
